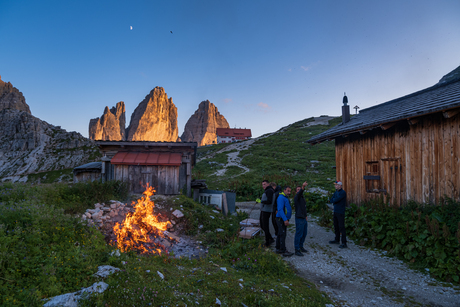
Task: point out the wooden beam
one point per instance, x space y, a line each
450 113
413 121
387 126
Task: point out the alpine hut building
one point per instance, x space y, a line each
404 149
167 166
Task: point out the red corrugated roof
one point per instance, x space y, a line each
147 158
230 132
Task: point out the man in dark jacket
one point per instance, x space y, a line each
265 211
301 224
339 199
277 189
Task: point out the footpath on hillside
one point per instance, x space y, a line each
360 276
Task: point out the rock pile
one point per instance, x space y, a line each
106 216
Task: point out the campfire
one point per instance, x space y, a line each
143 230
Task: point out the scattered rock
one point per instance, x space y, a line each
178 214
106 270
71 299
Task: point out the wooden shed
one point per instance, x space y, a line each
167 166
87 172
404 149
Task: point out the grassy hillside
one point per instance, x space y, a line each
44 252
283 157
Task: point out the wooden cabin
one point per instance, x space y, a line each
87 172
167 166
404 149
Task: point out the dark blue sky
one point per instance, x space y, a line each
264 64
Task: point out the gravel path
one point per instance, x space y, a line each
359 276
232 157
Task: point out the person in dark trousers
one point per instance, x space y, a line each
301 223
266 209
277 189
282 217
339 199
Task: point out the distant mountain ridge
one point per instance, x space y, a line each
155 119
29 145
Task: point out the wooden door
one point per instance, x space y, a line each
391 179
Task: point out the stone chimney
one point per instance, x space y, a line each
345 109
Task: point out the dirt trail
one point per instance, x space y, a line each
232 157
359 276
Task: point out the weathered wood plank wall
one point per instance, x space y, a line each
165 179
418 162
86 176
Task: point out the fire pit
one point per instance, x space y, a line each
142 230
144 227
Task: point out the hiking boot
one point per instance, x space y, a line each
334 242
298 253
287 254
343 246
303 250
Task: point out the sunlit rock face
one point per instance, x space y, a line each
201 126
110 126
12 98
154 119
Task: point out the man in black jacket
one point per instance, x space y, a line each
339 199
265 211
277 189
301 224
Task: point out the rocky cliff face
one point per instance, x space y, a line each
29 145
110 126
154 119
201 126
12 98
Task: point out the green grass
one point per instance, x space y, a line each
51 176
45 251
283 157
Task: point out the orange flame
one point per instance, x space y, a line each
138 229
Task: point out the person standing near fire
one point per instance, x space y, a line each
266 210
282 217
301 224
277 189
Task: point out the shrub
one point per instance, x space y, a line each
44 252
427 236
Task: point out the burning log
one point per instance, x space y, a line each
140 228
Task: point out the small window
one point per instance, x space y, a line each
372 177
